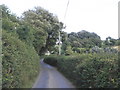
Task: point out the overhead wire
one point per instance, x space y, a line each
66 11
64 27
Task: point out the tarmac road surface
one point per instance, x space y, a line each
49 77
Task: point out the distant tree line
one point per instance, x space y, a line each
87 42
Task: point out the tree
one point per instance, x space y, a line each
39 41
117 42
25 33
69 50
46 23
84 39
110 41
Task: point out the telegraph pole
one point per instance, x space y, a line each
59 41
59 44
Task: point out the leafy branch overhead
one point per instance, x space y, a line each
44 22
23 40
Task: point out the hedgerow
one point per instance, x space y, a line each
90 70
20 63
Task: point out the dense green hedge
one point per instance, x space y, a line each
51 60
20 63
90 70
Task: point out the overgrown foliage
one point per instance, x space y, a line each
37 32
90 70
23 40
20 63
46 27
87 42
84 39
51 60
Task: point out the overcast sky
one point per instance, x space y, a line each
99 16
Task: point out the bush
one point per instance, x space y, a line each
20 63
90 70
51 60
